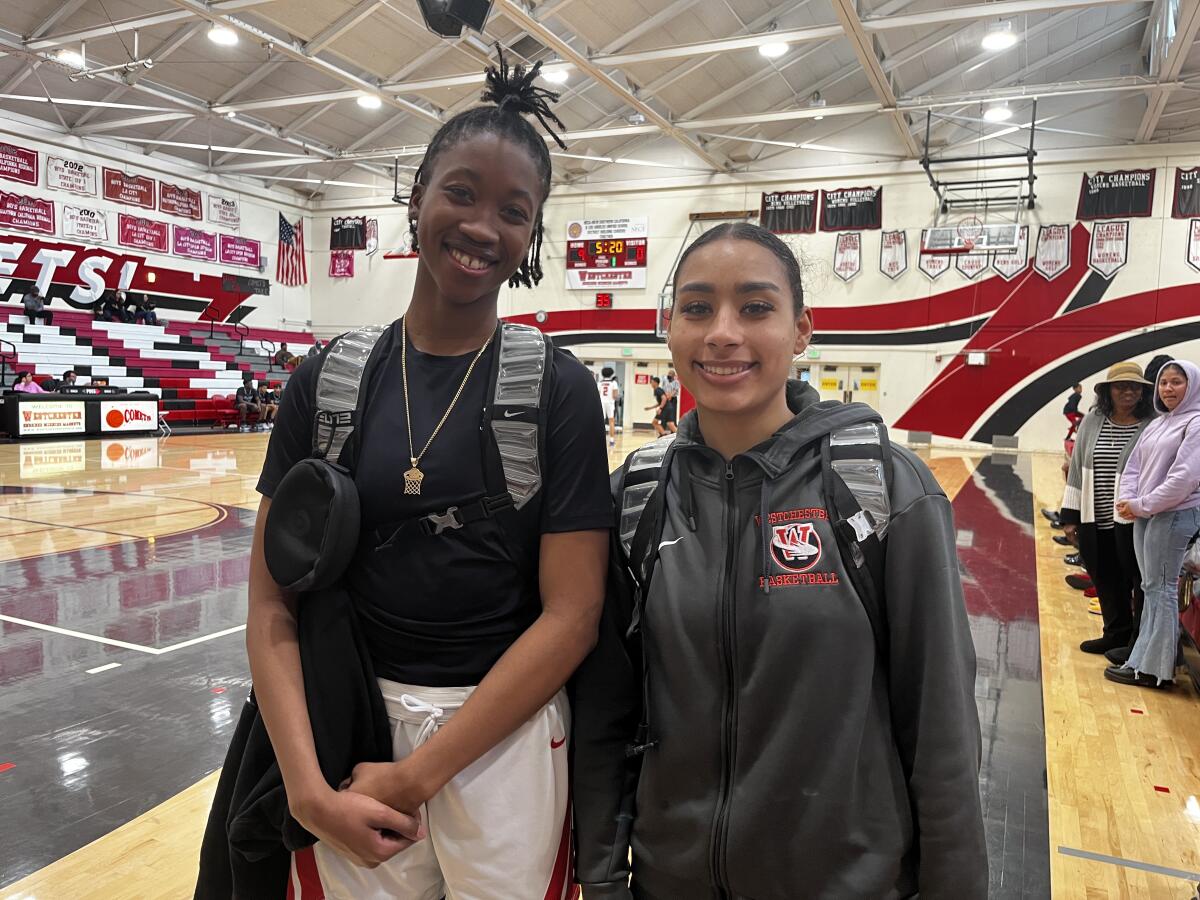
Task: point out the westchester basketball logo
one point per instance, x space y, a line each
796 547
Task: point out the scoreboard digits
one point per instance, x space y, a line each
614 253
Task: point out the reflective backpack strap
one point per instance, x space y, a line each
517 415
339 382
370 387
859 543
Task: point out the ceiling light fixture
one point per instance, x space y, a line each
72 58
558 75
369 101
999 36
223 35
773 49
998 112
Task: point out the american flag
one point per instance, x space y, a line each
291 269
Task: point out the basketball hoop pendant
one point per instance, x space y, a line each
412 481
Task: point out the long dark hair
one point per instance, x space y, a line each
512 95
1143 410
744 231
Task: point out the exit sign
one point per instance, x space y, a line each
604 301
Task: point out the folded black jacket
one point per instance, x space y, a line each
250 834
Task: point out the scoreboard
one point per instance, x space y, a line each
609 254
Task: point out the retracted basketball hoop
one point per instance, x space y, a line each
971 236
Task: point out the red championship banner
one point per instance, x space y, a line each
26 213
240 251
132 190
341 263
194 243
18 164
141 234
180 201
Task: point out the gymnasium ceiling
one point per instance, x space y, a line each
654 87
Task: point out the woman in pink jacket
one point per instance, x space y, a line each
1160 491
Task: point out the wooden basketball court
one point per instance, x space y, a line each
93 807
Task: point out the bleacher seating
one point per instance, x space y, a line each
194 367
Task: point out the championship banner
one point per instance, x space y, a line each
893 253
1053 254
971 265
789 212
141 234
1193 247
348 233
50 417
847 255
240 251
194 243
18 164
1186 204
85 224
1107 195
132 190
1010 265
852 209
71 176
225 212
26 213
372 236
341 264
1109 250
607 254
934 265
180 201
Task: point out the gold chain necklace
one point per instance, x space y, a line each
414 476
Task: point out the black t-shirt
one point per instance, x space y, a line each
245 395
439 610
658 395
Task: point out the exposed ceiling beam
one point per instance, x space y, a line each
112 29
259 73
341 25
864 49
1186 27
167 135
69 7
1001 9
131 122
296 51
517 14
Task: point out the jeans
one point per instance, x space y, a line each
1160 542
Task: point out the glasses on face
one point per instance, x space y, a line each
1127 387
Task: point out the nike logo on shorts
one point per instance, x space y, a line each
554 745
669 543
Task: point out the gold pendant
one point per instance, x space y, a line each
412 481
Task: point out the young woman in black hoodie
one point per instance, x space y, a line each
785 750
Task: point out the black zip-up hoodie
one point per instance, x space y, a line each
787 761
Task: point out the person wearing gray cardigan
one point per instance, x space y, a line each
1106 436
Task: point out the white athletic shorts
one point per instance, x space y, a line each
500 830
610 407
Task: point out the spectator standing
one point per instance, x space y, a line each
35 307
246 402
1160 491
1071 410
1106 435
26 385
670 411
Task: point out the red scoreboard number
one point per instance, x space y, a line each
613 253
604 301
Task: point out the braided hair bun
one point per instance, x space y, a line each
513 89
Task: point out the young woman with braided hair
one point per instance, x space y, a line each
472 632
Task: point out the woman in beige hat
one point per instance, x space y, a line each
1106 435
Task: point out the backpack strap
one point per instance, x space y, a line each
340 397
518 410
855 479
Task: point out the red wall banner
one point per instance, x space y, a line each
240 251
132 190
141 234
26 213
194 243
18 164
180 201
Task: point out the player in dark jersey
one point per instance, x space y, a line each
472 632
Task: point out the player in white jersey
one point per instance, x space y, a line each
610 390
